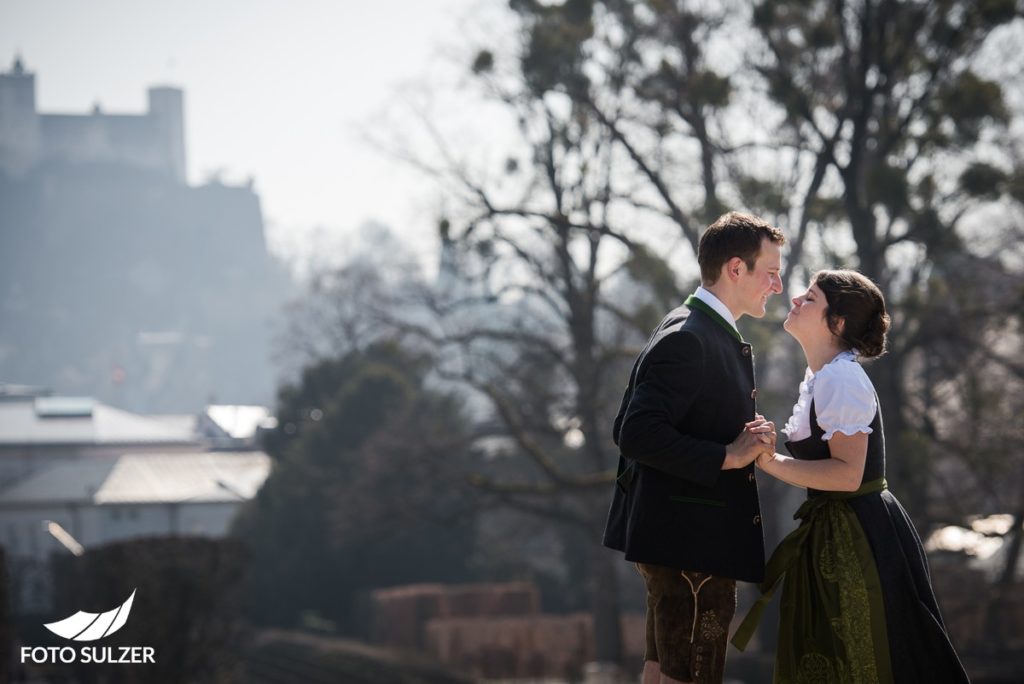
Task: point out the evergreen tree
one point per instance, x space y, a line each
365 490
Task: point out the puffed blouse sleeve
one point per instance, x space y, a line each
844 399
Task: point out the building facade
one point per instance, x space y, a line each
76 474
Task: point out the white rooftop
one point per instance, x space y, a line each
239 421
144 478
80 420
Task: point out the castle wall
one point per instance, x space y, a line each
19 125
154 140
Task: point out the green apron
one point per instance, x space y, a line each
832 618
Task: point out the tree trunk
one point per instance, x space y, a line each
6 630
1013 553
604 606
996 606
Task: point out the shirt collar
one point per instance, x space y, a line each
809 375
716 304
845 355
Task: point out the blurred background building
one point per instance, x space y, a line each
102 290
106 475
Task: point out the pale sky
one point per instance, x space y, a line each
280 91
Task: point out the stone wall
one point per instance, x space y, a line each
399 615
491 630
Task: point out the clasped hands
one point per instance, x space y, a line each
755 443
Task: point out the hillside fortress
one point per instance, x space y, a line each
154 140
119 279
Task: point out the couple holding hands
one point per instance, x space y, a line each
857 603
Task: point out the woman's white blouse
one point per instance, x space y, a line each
844 400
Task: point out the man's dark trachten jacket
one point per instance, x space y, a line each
690 393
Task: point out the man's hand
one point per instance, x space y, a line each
757 437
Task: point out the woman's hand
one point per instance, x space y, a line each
764 458
765 429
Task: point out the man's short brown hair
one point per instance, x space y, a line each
733 235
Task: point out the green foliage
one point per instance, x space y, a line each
927 224
646 316
554 55
665 53
763 196
709 88
823 34
925 189
764 15
186 605
983 180
483 62
319 386
825 209
646 267
994 13
940 240
794 100
684 90
888 186
881 95
969 102
1015 185
365 491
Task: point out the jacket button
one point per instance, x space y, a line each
753 394
746 351
750 477
757 520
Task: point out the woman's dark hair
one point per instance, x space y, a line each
853 298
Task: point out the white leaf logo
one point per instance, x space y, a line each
84 626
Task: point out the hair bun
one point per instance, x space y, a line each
872 341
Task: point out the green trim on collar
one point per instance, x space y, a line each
696 303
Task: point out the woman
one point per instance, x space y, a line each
857 602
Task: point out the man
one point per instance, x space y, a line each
685 506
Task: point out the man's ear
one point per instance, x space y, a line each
734 268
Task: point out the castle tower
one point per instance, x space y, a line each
19 122
166 107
